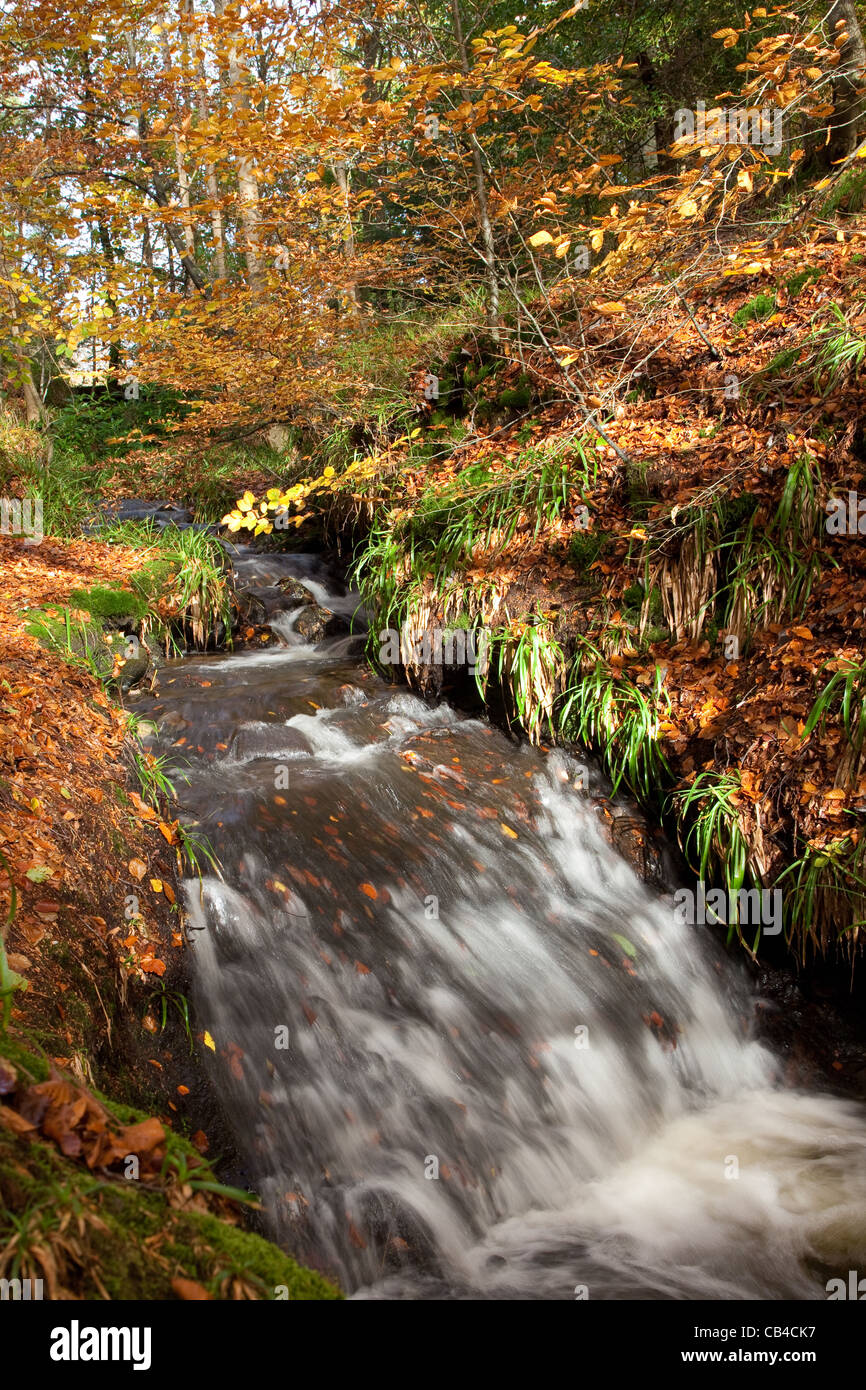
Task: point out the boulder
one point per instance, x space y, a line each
295 591
314 623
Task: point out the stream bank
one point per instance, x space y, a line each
107 1128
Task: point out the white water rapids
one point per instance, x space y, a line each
507 1072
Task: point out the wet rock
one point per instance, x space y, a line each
154 650
256 636
261 740
642 847
126 655
295 591
258 604
314 623
134 669
251 608
276 601
173 721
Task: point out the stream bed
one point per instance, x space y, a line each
465 1051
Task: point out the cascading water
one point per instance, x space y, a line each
466 1052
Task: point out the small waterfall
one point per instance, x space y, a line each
467 1053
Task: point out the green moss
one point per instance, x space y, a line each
782 362
81 643
849 194
28 1064
106 604
798 282
516 397
253 1258
756 310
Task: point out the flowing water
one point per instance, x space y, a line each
466 1052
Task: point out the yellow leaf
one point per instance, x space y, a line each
689 208
208 1041
612 306
156 885
506 830
540 239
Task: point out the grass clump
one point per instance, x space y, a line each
609 714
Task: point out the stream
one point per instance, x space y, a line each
466 1052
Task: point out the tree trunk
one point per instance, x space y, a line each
347 234
187 235
248 187
487 240
847 120
211 183
114 358
32 401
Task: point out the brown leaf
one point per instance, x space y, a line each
142 1137
14 1121
188 1289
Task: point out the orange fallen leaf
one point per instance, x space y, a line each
189 1290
